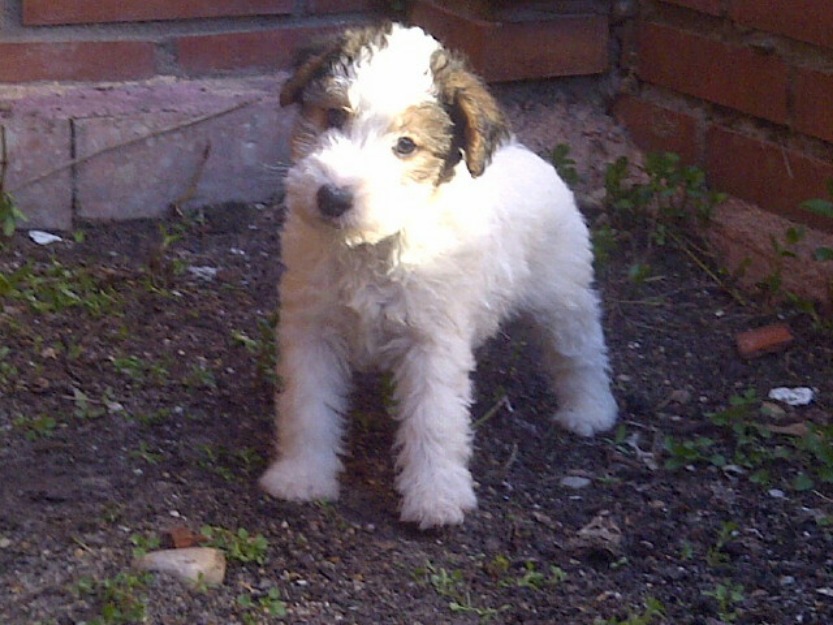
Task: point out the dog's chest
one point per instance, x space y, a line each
379 322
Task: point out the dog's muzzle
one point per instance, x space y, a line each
334 201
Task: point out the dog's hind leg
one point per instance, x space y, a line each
576 359
310 409
433 393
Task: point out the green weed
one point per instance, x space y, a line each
674 198
728 597
670 208
10 214
144 544
36 428
564 164
8 371
122 599
240 545
230 464
144 453
652 610
139 369
717 556
750 445
200 376
262 607
531 577
451 585
55 288
263 348
823 207
86 408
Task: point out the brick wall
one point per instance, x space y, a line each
112 40
743 88
115 109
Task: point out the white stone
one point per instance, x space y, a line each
194 565
43 238
799 396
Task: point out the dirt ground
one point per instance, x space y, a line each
136 397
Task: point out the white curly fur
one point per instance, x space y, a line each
411 279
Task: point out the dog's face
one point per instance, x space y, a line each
387 115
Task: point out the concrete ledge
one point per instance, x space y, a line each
742 235
133 149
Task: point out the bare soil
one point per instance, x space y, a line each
136 396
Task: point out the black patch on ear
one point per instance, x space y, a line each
320 57
479 124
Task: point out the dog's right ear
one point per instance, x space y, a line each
310 63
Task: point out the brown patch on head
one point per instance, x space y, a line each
315 61
479 123
312 62
312 84
431 129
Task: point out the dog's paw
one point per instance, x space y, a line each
590 416
442 500
296 480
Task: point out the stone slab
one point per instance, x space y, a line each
37 146
139 165
127 150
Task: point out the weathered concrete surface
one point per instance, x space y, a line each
33 146
131 150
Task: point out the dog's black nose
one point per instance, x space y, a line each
334 201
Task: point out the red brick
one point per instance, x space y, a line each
565 45
659 129
775 178
769 339
87 60
814 104
732 76
343 6
712 7
264 50
50 12
805 20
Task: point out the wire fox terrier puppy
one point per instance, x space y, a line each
416 224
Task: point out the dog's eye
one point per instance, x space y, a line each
336 118
404 146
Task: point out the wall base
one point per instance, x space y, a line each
128 150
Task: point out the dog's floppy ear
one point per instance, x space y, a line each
479 124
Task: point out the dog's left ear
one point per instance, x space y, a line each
479 123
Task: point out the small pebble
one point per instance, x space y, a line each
777 493
576 482
203 273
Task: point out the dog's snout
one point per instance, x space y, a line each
334 201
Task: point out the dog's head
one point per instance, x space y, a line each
387 115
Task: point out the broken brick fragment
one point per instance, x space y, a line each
765 340
183 537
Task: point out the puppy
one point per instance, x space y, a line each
416 224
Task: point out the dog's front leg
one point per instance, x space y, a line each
433 394
310 409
